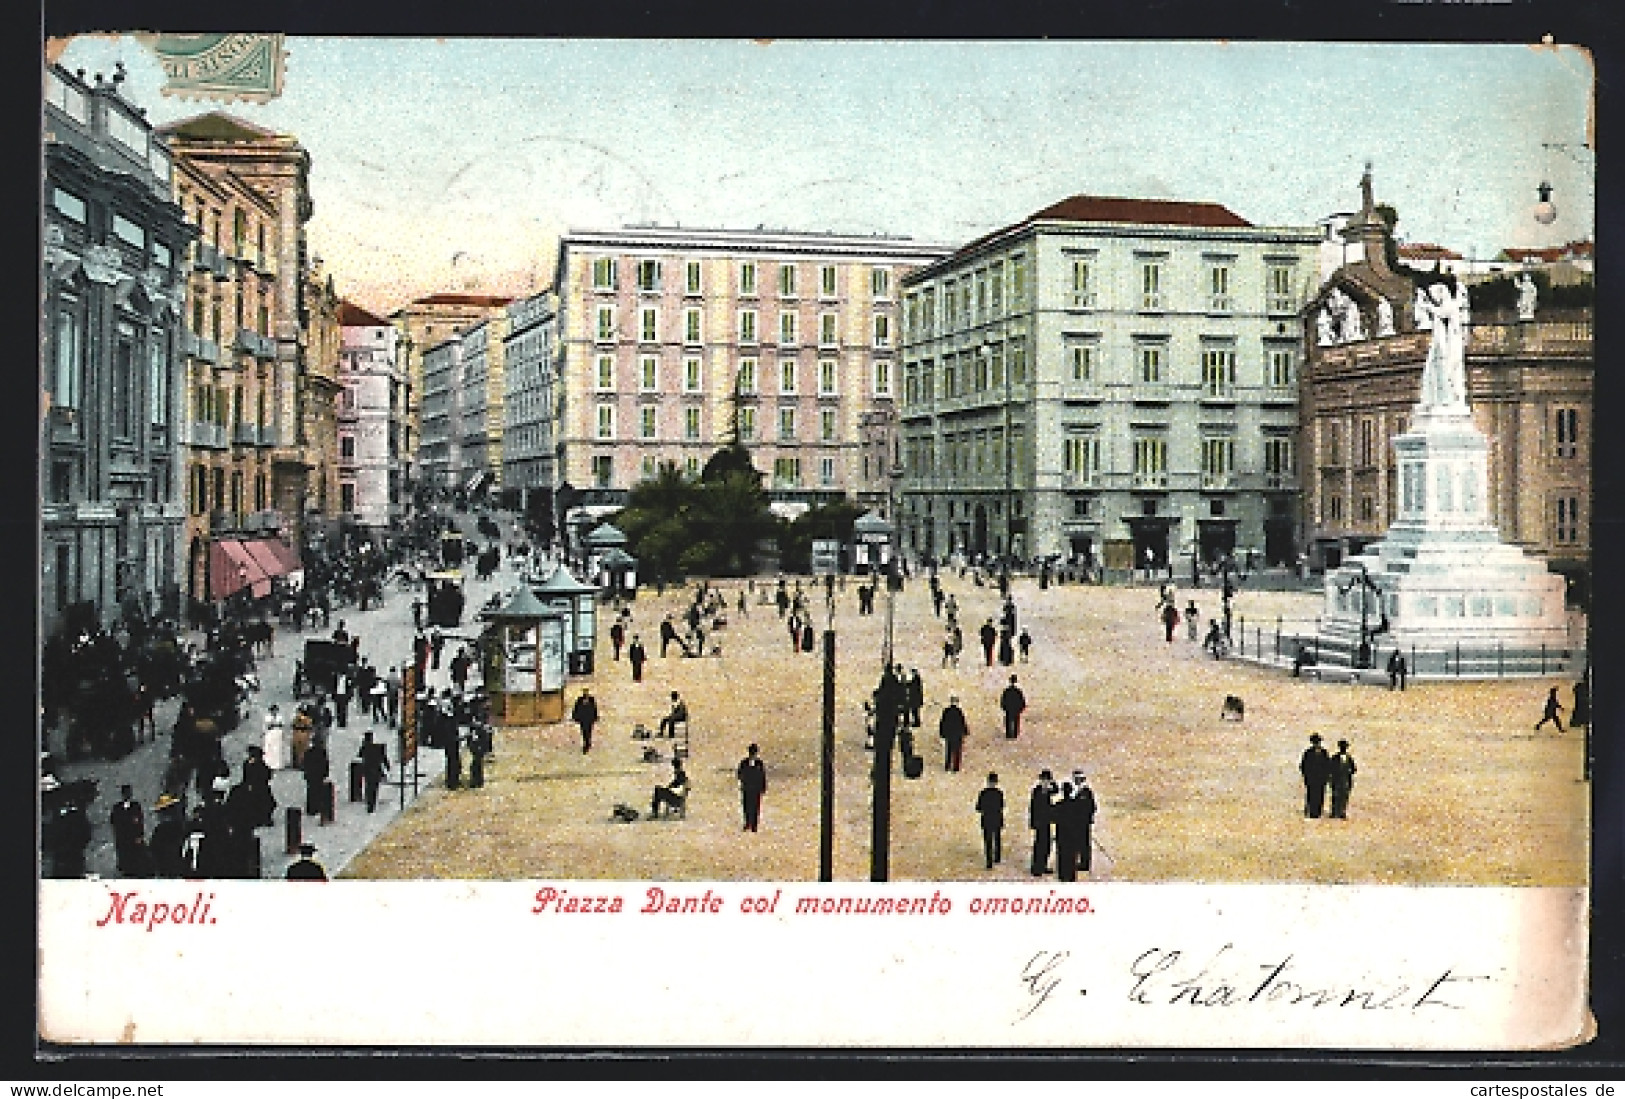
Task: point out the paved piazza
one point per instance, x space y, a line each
1453 785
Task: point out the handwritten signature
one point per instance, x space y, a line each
1161 976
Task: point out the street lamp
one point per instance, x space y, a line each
1366 586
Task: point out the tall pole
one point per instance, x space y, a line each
826 799
880 837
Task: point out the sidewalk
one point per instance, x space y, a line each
386 639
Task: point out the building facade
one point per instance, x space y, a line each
440 447
528 405
673 342
113 373
1109 380
423 324
1530 386
481 399
369 409
244 159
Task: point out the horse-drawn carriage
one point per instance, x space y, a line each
318 671
444 601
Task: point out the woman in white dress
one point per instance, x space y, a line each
276 739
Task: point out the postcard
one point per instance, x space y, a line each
558 543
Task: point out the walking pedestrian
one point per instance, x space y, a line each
317 772
392 695
1012 701
168 837
915 688
1041 819
437 645
585 714
1316 768
451 742
274 741
1170 620
129 825
1553 708
990 807
617 637
1025 643
989 636
1193 620
479 746
342 686
953 730
1397 671
1066 835
1342 779
374 766
752 772
636 656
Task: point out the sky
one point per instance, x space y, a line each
455 164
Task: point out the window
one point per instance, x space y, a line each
1150 459
826 280
1567 432
691 375
1083 287
646 421
605 377
1080 457
1368 442
691 326
747 279
1218 372
648 275
1567 530
649 324
1081 356
1218 287
1218 460
950 307
129 232
347 447
882 330
1150 361
996 284
124 384
1018 282
68 384
1282 367
787 424
158 381
747 424
1151 284
1334 444
826 329
68 204
787 375
747 326
1334 507
787 471
1278 461
787 280
606 421
883 378
691 468
880 282
981 297
603 470
747 376
996 365
826 378
826 471
787 328
650 467
1278 296
826 425
1018 361
1368 510
603 273
691 423
648 373
606 322
691 277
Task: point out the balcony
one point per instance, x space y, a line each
1152 393
219 265
251 342
1149 480
1277 304
206 350
1220 304
1218 482
268 436
245 435
210 436
1085 299
1218 392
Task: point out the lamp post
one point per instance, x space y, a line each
1366 585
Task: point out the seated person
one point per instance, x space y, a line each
674 793
679 713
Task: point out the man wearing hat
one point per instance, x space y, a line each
168 837
752 774
1316 768
306 868
1041 819
1342 778
990 807
1012 701
129 824
1082 810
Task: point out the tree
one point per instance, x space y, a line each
677 527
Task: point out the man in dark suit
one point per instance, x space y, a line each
989 637
953 731
990 806
752 774
374 765
307 868
1012 701
1041 819
636 655
1316 768
585 714
1082 807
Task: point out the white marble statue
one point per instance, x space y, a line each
1527 293
1444 377
1353 325
1323 325
1385 318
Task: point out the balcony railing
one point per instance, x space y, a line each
1218 391
1218 481
268 436
1149 480
206 434
245 435
207 350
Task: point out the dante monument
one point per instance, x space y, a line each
1441 587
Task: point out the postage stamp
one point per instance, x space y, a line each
230 67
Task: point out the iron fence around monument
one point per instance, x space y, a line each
1277 642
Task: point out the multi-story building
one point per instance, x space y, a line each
1529 385
527 405
672 342
440 446
113 377
425 323
243 159
1109 378
481 400
321 349
368 414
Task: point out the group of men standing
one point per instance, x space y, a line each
1321 769
1061 817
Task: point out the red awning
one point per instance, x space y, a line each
232 567
260 550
